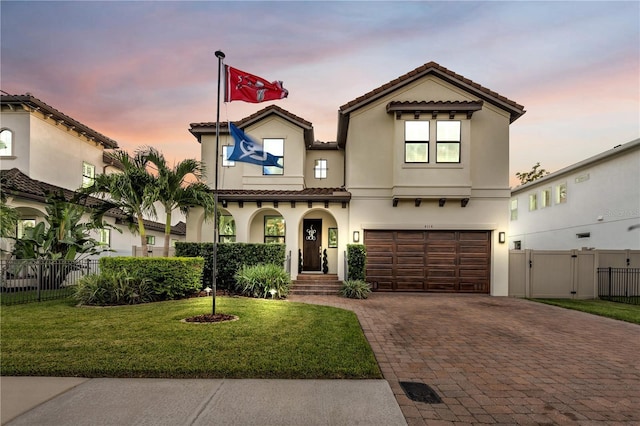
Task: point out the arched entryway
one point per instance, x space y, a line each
318 243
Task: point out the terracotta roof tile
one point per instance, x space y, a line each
36 104
424 70
307 194
14 182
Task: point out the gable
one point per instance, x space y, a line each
467 91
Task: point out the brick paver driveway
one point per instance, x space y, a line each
501 360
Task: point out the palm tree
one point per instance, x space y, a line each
133 191
175 192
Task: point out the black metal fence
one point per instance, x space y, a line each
619 285
35 280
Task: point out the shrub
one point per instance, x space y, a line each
355 289
113 288
356 261
231 257
169 277
258 280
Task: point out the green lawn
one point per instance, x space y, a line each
619 311
272 339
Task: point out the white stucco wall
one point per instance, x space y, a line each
603 200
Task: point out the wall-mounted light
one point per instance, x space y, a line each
502 237
356 236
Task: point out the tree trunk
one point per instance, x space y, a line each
167 234
143 236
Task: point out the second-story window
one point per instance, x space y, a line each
416 141
533 202
88 174
561 193
546 198
227 150
6 143
274 147
447 142
320 169
514 209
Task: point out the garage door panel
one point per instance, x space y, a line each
410 248
410 260
410 235
473 235
435 249
473 287
439 261
379 236
409 285
439 285
441 236
410 273
440 273
379 248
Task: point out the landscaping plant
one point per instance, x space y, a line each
355 289
113 288
263 281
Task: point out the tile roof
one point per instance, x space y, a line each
307 194
209 127
33 103
514 109
428 68
14 182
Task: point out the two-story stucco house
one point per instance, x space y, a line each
44 150
590 204
419 174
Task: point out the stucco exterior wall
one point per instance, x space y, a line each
602 200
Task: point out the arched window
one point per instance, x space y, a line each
6 143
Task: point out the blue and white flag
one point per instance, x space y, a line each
249 151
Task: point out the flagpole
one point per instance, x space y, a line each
220 55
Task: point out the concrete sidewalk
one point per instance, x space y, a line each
79 401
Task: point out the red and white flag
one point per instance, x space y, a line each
242 86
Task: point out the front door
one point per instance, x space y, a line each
311 256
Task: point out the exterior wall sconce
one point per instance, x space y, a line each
502 237
224 203
356 236
441 202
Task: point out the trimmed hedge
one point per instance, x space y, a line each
356 261
169 277
231 257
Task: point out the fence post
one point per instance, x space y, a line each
610 281
39 278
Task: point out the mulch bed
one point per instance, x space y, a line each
209 318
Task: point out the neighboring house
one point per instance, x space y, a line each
590 204
44 150
419 174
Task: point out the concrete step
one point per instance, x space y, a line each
317 277
321 285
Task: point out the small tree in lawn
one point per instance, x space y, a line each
175 192
535 173
133 191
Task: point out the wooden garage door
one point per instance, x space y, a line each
442 261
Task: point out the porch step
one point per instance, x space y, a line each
316 284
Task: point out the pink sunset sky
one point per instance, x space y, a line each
141 72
